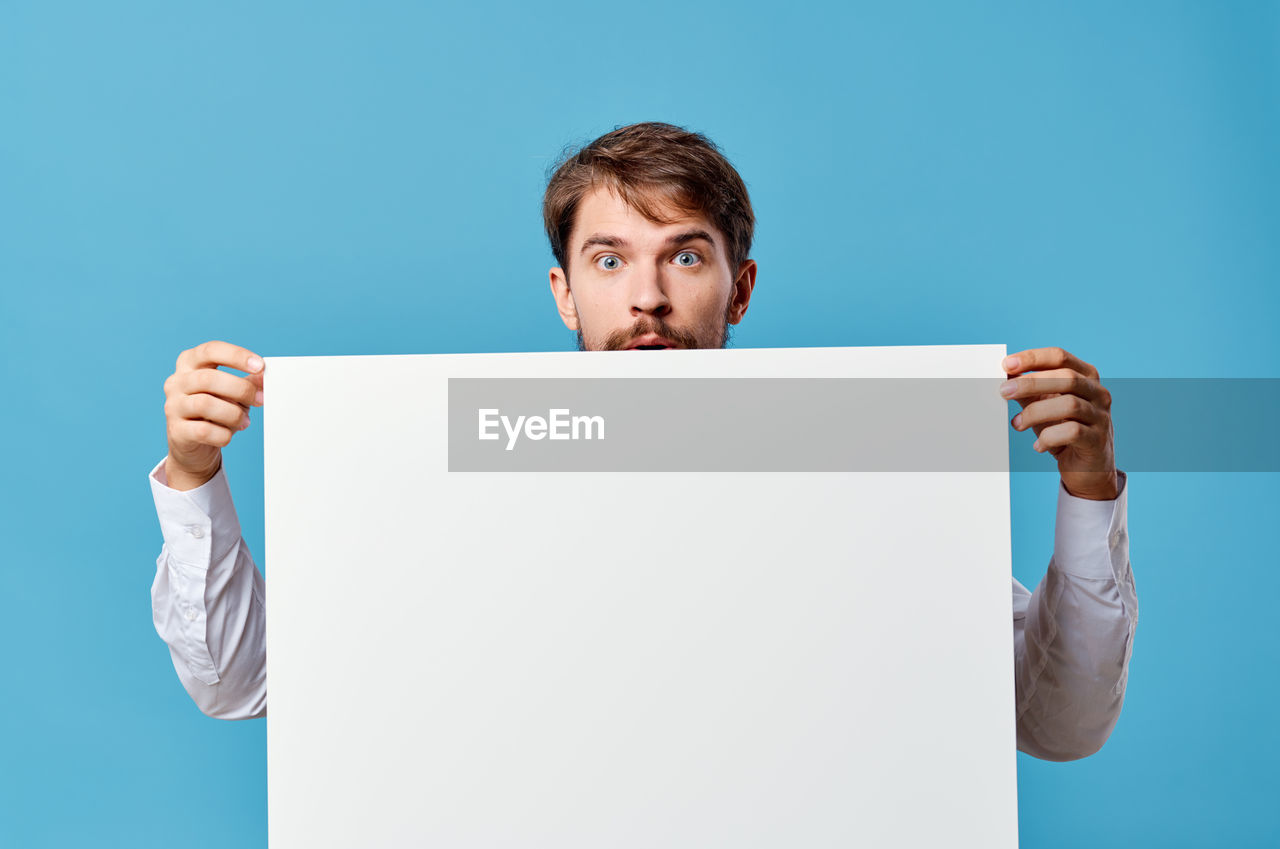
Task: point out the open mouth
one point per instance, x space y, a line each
651 348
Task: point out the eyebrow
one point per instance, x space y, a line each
610 241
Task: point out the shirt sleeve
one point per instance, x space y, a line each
1073 636
208 600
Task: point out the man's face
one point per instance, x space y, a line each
636 284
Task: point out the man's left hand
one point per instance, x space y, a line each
1070 411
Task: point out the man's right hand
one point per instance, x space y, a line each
205 407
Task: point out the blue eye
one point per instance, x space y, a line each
609 263
686 258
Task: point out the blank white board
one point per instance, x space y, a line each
628 658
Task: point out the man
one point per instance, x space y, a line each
651 227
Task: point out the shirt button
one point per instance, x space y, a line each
197 531
191 614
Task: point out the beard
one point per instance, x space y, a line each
620 339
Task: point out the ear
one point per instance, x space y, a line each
564 298
743 285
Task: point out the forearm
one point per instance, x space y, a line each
1072 646
208 600
218 647
1073 666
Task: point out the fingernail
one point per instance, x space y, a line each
244 421
255 364
1036 445
1008 388
257 398
1011 364
1017 420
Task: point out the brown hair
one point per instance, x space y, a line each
648 165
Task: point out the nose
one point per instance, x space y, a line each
649 293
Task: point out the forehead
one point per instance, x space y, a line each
603 212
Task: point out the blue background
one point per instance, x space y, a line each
365 178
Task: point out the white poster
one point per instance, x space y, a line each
501 613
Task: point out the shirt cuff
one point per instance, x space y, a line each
199 525
1091 537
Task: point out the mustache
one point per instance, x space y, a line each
619 339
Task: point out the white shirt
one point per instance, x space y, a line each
1072 636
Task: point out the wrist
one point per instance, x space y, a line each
1095 486
182 478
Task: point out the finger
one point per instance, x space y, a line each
1056 437
257 380
199 432
1039 359
1103 401
217 353
1028 401
1060 408
223 384
1031 399
1058 382
210 409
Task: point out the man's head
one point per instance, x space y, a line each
651 227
